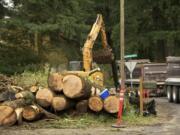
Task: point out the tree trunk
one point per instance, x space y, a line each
76 87
55 82
82 106
111 104
60 103
8 116
31 113
44 97
95 103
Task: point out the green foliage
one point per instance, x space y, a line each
152 27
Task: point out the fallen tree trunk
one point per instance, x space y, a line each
55 82
75 86
61 102
82 106
44 97
95 103
31 113
111 104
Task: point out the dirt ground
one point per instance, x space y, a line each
168 124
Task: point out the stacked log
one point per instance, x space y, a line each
75 86
44 97
82 106
61 102
55 82
31 113
95 103
111 104
8 116
67 92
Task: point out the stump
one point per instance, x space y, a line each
8 116
55 82
82 106
44 97
75 86
95 103
31 113
61 102
111 104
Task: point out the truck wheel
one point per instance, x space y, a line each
175 94
169 93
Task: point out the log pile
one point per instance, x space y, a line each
65 92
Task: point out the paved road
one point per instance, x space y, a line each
168 114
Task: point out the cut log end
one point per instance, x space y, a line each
95 103
72 85
31 113
44 97
55 82
8 116
111 104
60 103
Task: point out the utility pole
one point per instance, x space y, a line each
122 44
122 77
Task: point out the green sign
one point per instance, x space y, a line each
130 56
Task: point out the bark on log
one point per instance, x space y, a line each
8 116
76 87
61 102
44 97
111 104
18 103
82 106
31 113
95 103
55 82
27 95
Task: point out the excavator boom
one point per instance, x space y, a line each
98 26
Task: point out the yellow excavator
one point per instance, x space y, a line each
105 54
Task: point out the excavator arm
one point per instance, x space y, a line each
98 26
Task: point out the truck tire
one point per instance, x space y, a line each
175 94
169 93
